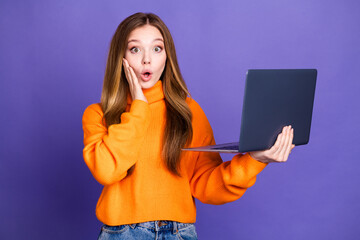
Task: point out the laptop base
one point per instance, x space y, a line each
221 148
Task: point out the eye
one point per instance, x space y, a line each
157 49
134 50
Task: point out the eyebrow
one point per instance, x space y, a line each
156 39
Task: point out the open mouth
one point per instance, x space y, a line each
146 76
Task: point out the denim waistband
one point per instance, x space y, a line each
162 225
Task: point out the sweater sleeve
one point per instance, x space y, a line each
109 153
214 181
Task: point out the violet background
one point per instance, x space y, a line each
52 60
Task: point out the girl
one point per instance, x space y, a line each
133 140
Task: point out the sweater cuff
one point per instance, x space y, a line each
139 107
259 166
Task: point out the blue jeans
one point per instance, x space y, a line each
150 230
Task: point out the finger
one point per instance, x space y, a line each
284 153
291 140
274 152
130 78
125 68
134 78
137 89
288 146
281 144
127 73
125 64
284 145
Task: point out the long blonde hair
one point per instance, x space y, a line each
178 129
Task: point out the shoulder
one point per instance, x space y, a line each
195 108
200 122
93 111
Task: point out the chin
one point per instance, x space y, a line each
149 84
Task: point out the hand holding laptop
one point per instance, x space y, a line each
280 151
273 98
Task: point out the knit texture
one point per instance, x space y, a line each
151 192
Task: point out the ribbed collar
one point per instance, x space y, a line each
153 94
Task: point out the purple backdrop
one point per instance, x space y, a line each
52 59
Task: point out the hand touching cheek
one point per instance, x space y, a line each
135 88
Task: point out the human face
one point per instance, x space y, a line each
146 54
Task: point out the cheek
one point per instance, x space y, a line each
133 62
162 62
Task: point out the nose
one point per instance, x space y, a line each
146 58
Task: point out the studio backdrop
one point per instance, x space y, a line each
52 61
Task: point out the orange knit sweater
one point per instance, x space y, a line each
151 192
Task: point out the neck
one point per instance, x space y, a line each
153 94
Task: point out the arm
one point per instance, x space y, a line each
212 180
217 182
109 153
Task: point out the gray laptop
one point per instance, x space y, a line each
273 98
